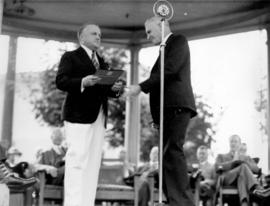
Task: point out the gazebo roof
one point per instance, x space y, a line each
122 20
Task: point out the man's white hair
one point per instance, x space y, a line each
157 20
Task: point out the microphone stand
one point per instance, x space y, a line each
161 127
163 9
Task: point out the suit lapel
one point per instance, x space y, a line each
85 59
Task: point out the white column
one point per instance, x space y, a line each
132 127
7 118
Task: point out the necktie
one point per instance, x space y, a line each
94 60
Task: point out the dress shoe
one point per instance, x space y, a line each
261 192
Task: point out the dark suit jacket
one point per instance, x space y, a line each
81 107
177 84
225 161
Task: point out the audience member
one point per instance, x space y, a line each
8 177
13 156
243 149
247 159
144 171
54 158
128 168
152 165
208 182
149 168
237 170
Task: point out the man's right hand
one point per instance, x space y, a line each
90 80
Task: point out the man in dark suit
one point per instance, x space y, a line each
179 107
84 113
208 174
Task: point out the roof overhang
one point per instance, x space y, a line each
122 21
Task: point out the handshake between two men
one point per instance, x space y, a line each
119 86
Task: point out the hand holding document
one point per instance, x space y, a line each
90 80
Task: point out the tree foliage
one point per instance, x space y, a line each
48 101
201 129
261 105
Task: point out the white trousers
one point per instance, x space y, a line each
83 161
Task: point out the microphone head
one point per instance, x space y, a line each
163 9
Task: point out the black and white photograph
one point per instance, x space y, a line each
134 103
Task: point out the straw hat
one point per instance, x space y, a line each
14 150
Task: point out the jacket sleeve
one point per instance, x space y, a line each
64 78
177 57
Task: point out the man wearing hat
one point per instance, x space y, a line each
13 156
8 178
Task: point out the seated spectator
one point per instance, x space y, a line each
128 168
237 170
246 158
243 149
9 178
34 166
208 173
53 159
14 163
144 171
149 168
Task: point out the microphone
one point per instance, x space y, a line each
163 9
